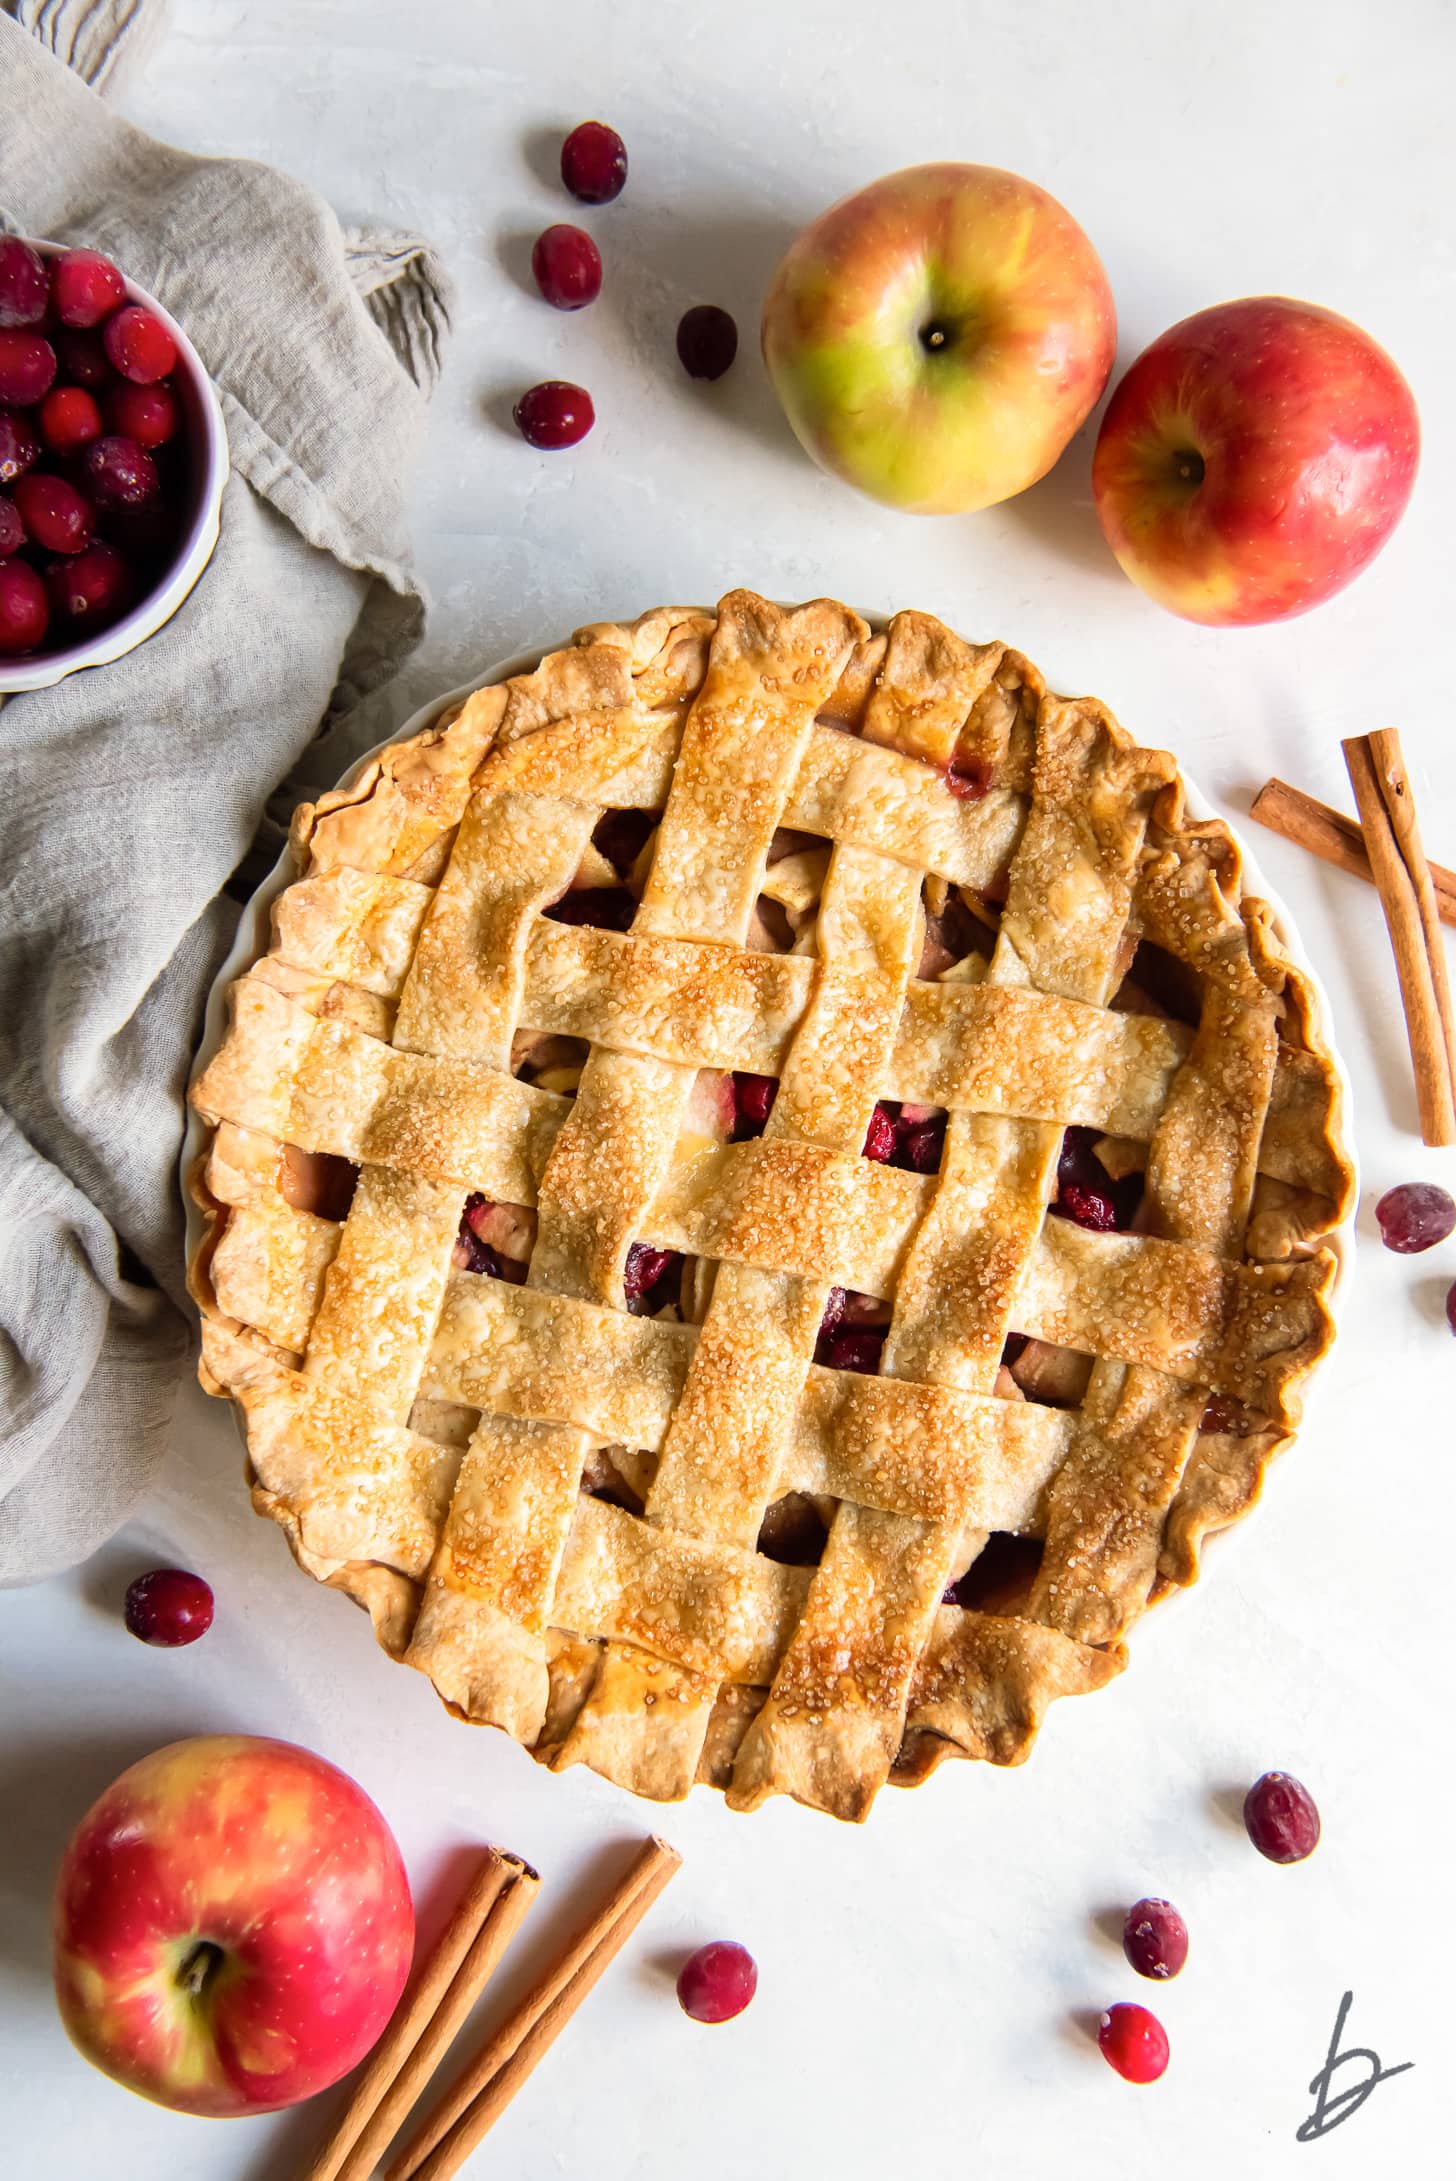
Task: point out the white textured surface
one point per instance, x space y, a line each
922 1977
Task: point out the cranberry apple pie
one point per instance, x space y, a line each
766 1195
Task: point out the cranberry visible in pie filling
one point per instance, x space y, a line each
1087 1193
651 1278
610 908
494 1239
753 1102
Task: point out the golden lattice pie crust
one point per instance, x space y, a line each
873 867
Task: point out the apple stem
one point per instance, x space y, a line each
198 1970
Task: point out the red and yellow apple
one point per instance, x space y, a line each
938 338
233 1926
1254 459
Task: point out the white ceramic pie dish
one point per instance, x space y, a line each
207 441
253 934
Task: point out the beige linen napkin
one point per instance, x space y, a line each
130 794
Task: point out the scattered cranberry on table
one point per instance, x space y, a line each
1134 2042
1155 1939
554 414
1281 1819
707 341
1414 1217
594 163
717 1982
567 267
169 1607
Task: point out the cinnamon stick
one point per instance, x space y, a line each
472 2107
427 2018
1334 838
1392 839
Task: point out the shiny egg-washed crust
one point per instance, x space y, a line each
420 1432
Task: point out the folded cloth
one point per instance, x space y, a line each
132 792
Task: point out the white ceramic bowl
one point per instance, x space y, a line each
206 440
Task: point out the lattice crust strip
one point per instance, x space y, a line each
557 1507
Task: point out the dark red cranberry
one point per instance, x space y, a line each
717 1982
753 1102
644 1268
1415 1217
567 266
1155 1938
969 778
855 1348
25 284
27 366
24 611
470 1253
55 516
85 288
1134 2042
19 446
1087 1207
169 1607
707 341
919 1146
554 414
139 345
147 414
82 360
117 472
90 588
1281 1818
879 1140
1451 1306
12 529
612 908
594 163
69 418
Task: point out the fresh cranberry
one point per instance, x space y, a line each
27 366
855 1348
55 516
879 1140
969 778
169 1607
19 446
707 341
1415 1217
611 908
117 472
1155 1938
753 1102
717 1982
1451 1306
24 612
644 1268
567 266
139 345
90 588
919 1147
69 418
12 529
1134 2042
82 359
147 414
554 414
594 163
1281 1818
24 283
85 288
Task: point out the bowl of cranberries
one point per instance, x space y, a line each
112 462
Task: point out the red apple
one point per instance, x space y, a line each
938 338
1254 459
233 1926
